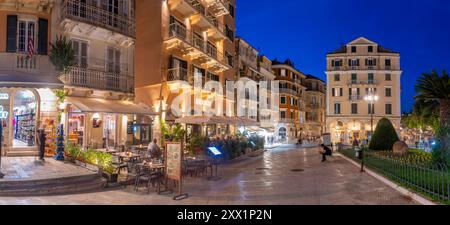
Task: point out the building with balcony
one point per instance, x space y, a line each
292 101
315 98
247 71
99 111
27 78
180 39
359 69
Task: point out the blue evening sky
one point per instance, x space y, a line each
305 31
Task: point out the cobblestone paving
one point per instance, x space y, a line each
27 168
267 179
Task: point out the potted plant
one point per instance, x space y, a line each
73 152
196 144
107 170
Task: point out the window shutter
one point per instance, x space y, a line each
43 37
333 92
358 92
357 62
11 33
341 92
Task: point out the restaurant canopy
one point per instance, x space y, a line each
204 120
95 105
244 121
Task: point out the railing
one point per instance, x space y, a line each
98 79
22 63
288 91
355 98
361 82
285 120
207 15
179 31
358 68
94 15
424 177
313 106
177 74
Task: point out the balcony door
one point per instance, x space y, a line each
113 69
79 73
178 69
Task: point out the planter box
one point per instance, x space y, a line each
88 166
79 163
112 178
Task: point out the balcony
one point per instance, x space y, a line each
285 120
313 106
288 91
88 20
20 62
362 68
362 83
355 98
194 48
177 74
98 79
218 7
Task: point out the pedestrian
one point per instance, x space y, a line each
355 143
41 143
326 151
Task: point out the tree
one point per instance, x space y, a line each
384 136
433 87
62 54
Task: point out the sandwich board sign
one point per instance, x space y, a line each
327 139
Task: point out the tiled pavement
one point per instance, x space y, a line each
27 168
266 179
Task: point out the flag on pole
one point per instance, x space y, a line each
30 47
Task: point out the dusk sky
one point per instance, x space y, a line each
306 30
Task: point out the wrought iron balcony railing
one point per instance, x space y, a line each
94 15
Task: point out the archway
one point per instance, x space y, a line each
24 119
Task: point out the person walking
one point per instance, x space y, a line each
41 143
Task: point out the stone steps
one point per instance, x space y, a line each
56 186
21 153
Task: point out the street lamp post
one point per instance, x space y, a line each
371 98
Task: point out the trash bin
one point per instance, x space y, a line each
358 153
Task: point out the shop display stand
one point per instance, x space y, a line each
25 128
60 143
50 139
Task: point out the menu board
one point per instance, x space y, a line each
327 139
173 161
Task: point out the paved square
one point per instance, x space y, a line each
285 175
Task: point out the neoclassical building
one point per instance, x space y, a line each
359 69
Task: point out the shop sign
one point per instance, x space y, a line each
174 156
4 96
3 114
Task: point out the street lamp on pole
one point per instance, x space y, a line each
371 98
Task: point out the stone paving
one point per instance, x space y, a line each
28 168
285 175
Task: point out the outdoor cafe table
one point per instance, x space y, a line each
139 148
127 155
104 150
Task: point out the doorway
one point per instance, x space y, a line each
24 119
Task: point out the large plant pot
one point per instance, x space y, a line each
112 178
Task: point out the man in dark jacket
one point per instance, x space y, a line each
41 143
326 152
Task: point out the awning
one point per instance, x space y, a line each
96 105
243 121
16 79
204 120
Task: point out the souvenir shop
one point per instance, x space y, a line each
22 112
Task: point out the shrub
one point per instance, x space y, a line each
441 151
384 137
73 151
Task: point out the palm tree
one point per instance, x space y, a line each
433 87
62 54
424 117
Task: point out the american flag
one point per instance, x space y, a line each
30 47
